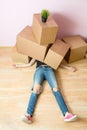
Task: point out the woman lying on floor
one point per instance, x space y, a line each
45 72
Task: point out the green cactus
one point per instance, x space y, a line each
44 14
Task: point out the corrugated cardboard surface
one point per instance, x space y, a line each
56 53
45 33
18 57
27 45
78 48
76 54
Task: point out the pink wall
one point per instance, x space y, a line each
70 15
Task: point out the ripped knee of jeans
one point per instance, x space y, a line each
55 89
37 91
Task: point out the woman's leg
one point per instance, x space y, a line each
37 84
51 78
33 99
31 105
60 101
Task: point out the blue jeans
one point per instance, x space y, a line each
46 73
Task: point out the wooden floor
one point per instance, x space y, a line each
15 85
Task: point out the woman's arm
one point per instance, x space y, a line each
25 65
68 67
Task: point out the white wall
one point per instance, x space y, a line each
16 14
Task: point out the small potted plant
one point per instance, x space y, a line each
44 15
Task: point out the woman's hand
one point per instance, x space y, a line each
73 69
24 65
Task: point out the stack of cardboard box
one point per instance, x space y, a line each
40 42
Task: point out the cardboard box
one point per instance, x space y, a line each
77 50
18 57
27 45
45 33
56 53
